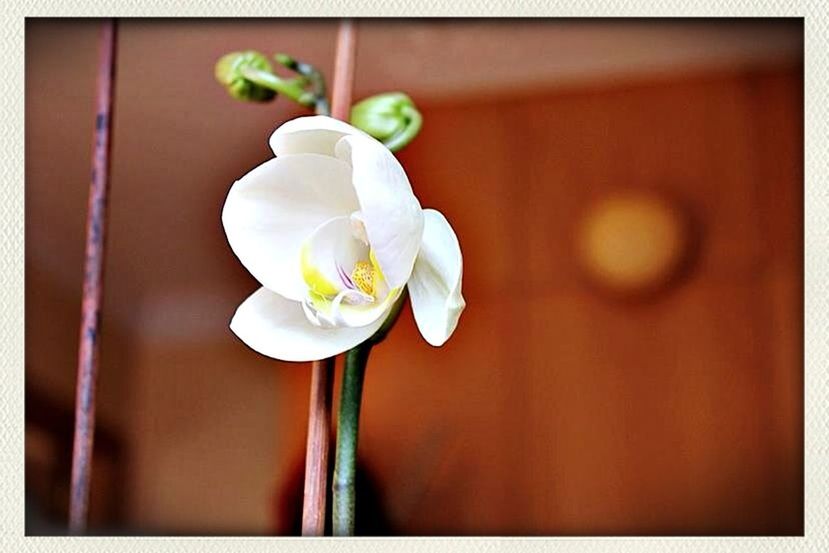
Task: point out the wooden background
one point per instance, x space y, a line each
554 409
558 410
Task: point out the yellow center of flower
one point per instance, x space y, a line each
364 276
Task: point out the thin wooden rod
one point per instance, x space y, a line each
89 341
344 62
322 372
317 446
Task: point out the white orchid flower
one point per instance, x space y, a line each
332 230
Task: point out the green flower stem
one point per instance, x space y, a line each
394 314
290 89
415 121
348 423
322 107
343 488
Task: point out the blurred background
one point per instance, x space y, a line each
628 199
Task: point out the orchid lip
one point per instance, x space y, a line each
346 280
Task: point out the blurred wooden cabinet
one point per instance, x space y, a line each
558 410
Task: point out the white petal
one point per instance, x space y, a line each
277 327
435 286
270 211
391 213
312 134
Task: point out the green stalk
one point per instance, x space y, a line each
313 76
290 89
348 423
343 488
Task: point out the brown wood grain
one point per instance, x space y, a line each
556 409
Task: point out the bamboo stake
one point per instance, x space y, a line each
344 62
93 284
322 372
316 452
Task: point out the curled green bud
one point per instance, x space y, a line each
230 70
287 61
390 117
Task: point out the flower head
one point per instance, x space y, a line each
332 230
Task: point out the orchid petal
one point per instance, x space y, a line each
435 285
270 212
389 209
277 327
311 134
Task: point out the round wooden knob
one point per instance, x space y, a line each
632 243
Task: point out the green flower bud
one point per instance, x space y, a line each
391 118
228 72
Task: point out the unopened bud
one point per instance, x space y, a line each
391 118
228 72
